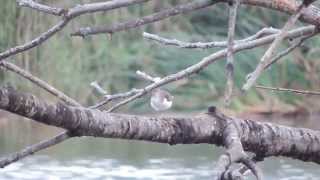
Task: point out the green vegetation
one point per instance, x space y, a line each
71 63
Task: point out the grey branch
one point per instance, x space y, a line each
37 81
212 58
206 45
109 98
98 88
72 13
147 77
233 8
40 7
46 143
309 15
235 152
266 58
298 143
144 20
34 148
293 46
132 95
304 92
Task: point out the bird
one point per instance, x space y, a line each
161 99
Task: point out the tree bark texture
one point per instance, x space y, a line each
263 139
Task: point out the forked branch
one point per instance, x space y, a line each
267 57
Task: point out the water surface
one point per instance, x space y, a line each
100 158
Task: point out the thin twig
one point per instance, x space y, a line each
147 77
206 45
144 20
233 8
35 42
293 46
98 88
34 148
40 7
109 98
252 77
210 59
37 81
289 90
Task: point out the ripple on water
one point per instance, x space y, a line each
43 167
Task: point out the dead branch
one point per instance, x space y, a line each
206 45
41 7
292 47
271 140
72 13
14 157
46 143
237 135
304 92
266 58
37 81
144 20
233 8
210 59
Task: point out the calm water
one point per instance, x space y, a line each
98 158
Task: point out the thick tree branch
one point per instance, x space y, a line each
46 143
235 152
272 140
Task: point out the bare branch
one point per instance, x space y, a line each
233 8
101 6
33 148
147 77
40 7
35 42
37 81
210 59
252 77
109 98
144 20
207 45
98 88
46 143
293 46
291 142
310 15
235 152
289 90
72 13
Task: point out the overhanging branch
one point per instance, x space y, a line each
263 139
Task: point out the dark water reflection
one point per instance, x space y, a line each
99 158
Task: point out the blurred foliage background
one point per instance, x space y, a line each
71 63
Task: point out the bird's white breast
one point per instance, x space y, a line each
160 104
